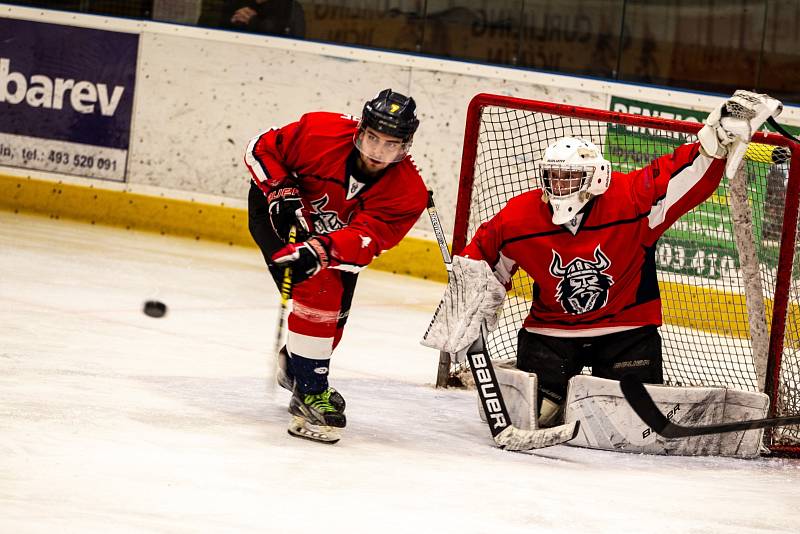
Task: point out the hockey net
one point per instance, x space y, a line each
709 267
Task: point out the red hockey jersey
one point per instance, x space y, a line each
363 217
603 277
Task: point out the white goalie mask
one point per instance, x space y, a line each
571 172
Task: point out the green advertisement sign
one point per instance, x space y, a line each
701 243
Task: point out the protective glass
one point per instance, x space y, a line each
383 148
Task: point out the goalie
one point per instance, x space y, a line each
587 236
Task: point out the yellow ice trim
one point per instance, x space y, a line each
185 218
414 257
706 309
133 211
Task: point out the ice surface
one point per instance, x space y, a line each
112 421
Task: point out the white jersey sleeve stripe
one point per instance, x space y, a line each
348 267
679 186
504 269
257 168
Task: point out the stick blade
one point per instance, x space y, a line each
642 403
645 407
515 439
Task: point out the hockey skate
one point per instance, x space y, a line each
315 418
286 381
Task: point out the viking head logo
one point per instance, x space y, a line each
325 222
584 286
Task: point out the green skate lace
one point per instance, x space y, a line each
320 401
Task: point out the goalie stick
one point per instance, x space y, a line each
505 435
642 403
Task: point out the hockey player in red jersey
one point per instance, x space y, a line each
587 236
352 191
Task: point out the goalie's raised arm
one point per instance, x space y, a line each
473 296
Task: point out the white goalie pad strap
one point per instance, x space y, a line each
473 296
519 393
609 423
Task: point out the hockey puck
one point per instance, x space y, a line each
155 308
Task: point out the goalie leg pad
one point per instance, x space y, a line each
549 413
519 393
609 423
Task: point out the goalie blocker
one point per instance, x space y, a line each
607 421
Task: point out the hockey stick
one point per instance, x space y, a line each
644 406
505 435
286 293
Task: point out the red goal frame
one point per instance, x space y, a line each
789 226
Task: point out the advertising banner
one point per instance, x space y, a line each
66 98
701 243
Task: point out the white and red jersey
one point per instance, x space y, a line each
601 278
363 217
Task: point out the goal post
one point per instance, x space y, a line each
783 372
706 265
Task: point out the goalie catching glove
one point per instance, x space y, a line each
473 296
729 127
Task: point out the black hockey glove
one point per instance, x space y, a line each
306 259
286 209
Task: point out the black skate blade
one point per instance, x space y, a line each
300 428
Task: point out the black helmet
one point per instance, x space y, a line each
391 113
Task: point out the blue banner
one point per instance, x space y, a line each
66 98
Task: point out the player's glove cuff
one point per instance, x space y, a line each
305 259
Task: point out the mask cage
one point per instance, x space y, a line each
578 178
